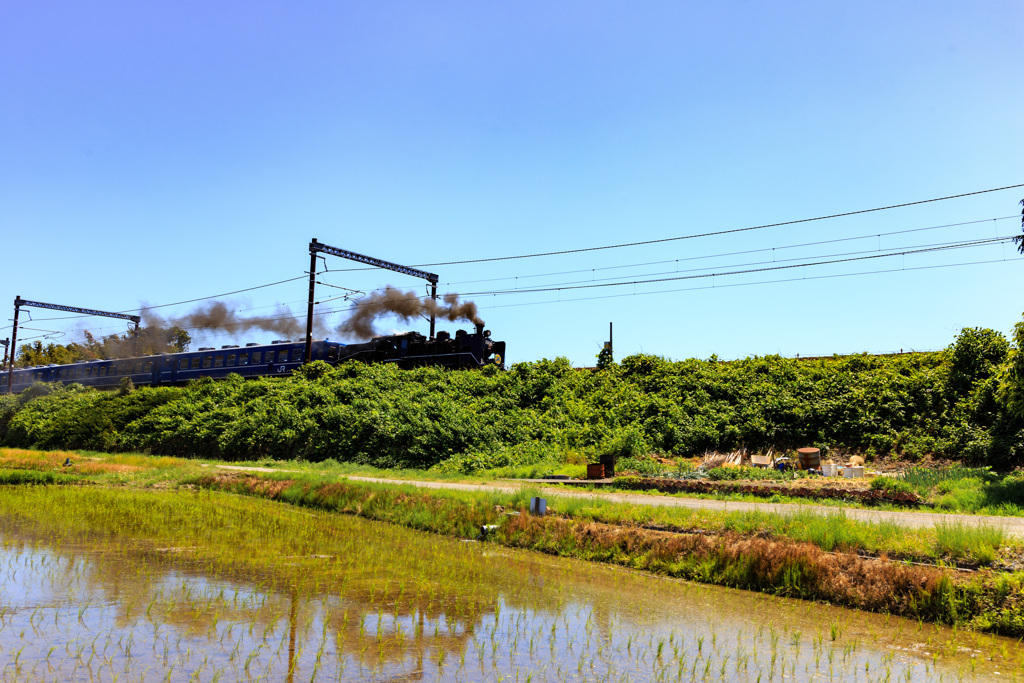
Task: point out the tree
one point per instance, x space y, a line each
37 354
178 338
1011 376
146 342
975 356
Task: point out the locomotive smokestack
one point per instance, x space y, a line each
480 329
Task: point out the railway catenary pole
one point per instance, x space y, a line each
316 247
433 295
19 302
309 306
14 347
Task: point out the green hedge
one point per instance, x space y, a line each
943 403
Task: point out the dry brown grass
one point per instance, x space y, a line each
93 467
242 483
23 459
770 565
17 458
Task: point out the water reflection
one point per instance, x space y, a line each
122 609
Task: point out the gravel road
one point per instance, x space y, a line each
1013 526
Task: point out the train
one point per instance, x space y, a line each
463 351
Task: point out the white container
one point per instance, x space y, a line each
854 472
830 470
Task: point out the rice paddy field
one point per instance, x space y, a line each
103 584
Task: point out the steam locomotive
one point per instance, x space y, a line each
411 349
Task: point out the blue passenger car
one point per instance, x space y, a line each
280 358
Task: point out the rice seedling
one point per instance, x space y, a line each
206 585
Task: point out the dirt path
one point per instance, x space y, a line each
1011 525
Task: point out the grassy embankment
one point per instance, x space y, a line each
828 558
954 404
949 543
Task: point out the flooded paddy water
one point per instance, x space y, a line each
108 585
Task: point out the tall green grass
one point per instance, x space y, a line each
23 477
924 479
968 489
958 540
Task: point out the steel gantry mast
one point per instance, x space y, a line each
316 247
19 303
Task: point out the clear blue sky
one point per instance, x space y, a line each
157 152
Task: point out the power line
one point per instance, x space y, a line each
758 263
975 243
747 284
599 248
994 240
627 244
738 253
713 233
915 250
189 301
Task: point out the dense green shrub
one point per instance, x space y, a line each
515 456
8 407
947 403
73 417
1011 376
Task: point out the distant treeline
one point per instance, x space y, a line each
146 341
966 403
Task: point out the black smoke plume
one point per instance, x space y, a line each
406 306
216 317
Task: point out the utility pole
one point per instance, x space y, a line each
308 355
14 345
316 247
19 302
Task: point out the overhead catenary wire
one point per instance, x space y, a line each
736 253
189 301
756 263
597 248
746 284
728 231
604 268
919 250
914 250
716 285
976 243
617 246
